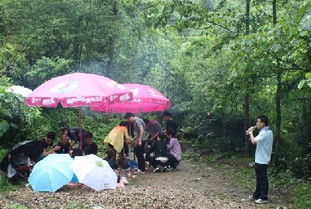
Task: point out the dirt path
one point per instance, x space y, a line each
190 186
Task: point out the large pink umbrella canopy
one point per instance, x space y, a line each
145 99
78 89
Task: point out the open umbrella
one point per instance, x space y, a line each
145 99
15 89
78 89
94 172
51 173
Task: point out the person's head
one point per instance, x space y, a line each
49 138
76 152
162 136
129 117
146 121
64 130
167 115
124 123
89 137
170 133
262 121
65 139
109 154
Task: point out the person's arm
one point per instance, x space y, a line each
256 139
252 138
140 137
251 135
54 149
154 136
170 145
127 138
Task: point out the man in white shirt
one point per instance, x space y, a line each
264 142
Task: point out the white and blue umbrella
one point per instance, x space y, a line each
51 173
94 172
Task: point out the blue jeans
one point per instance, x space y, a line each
262 184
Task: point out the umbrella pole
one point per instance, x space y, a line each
80 125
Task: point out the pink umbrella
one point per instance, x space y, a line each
145 99
78 89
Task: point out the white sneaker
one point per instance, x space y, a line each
139 172
124 180
169 168
157 169
251 198
261 201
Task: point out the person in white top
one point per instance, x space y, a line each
263 142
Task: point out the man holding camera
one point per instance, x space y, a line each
264 142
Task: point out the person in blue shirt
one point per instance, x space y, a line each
263 142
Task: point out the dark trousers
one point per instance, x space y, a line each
121 162
126 149
139 152
172 161
152 161
147 150
262 184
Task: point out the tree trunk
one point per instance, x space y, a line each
274 12
246 122
246 96
278 114
277 137
112 42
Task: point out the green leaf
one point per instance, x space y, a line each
4 127
301 83
308 76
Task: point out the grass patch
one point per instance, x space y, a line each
295 191
6 185
74 205
14 206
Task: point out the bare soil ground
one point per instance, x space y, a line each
190 186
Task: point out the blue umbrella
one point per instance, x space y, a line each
51 173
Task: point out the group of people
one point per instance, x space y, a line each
159 148
151 144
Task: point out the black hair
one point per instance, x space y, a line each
76 152
167 113
171 132
63 129
264 119
88 135
51 135
124 123
109 154
162 136
146 121
128 115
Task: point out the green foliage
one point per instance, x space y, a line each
7 185
302 197
196 52
45 69
15 206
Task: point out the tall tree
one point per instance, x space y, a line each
278 93
112 39
246 96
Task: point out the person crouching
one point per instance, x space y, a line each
174 148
